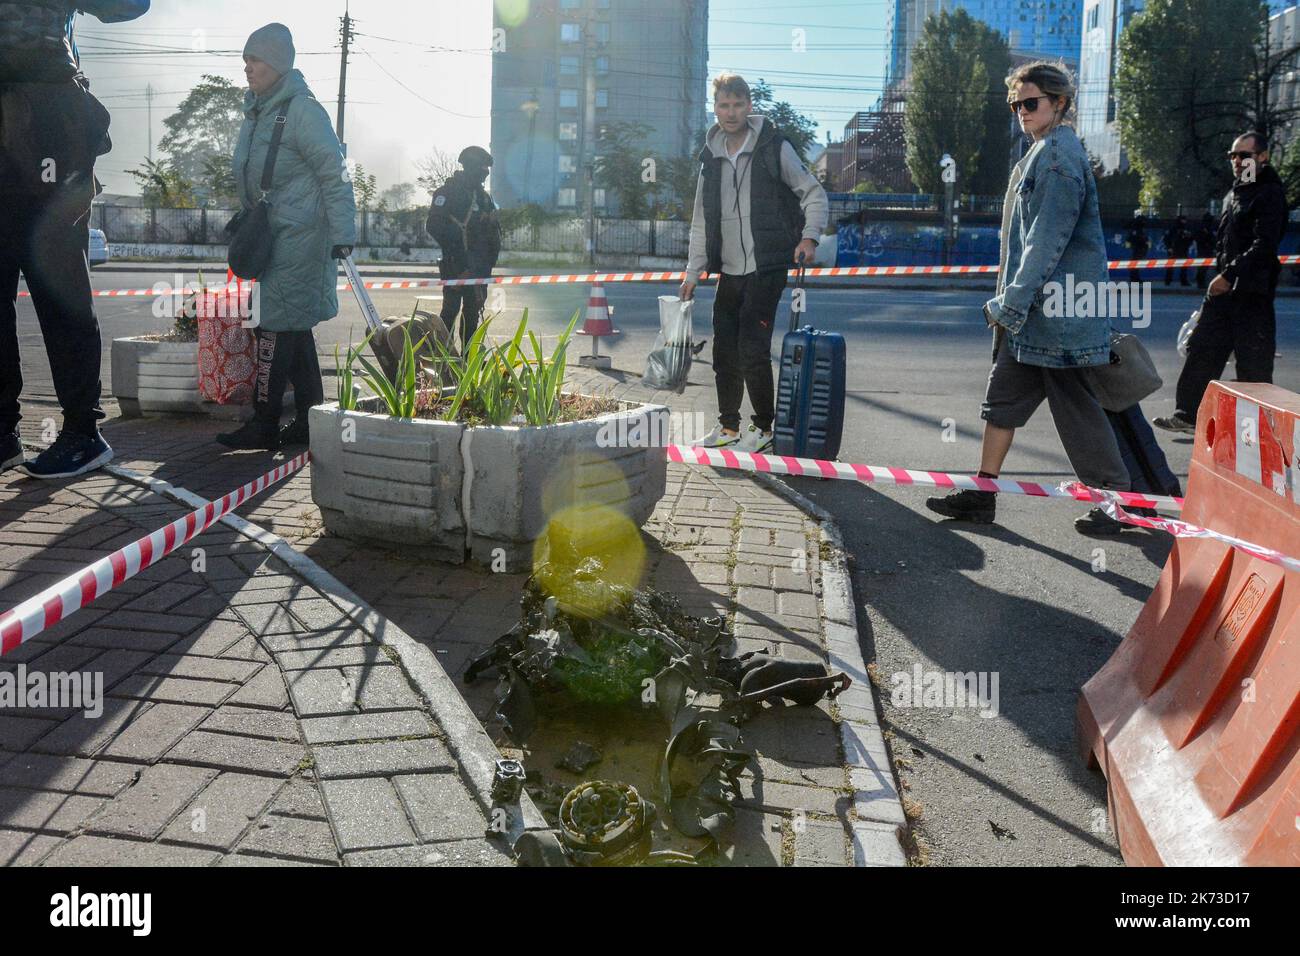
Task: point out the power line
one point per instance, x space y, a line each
422 99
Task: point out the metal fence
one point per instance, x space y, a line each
644 237
649 237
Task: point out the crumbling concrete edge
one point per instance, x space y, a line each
880 822
465 735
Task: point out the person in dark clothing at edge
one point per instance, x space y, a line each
1136 239
757 211
463 220
1237 313
51 132
1178 241
1204 246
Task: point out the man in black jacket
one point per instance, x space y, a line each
1237 313
51 131
463 219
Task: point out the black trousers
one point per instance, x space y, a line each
1240 324
45 240
744 315
465 300
283 358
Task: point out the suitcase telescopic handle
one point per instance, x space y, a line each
798 284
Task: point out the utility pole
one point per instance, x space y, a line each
345 33
148 99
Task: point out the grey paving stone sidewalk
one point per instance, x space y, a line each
723 542
245 720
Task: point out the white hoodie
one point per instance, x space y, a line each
737 237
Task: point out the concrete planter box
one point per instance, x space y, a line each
151 376
396 482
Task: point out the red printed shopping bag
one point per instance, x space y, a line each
227 357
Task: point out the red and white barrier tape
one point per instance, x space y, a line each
589 278
1183 529
44 610
1111 502
876 474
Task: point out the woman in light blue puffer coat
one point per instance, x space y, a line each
313 222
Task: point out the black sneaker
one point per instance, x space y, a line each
1177 422
968 505
295 433
1097 524
252 434
11 450
71 454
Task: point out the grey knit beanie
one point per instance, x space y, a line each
273 45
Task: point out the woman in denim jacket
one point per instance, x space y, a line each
1051 234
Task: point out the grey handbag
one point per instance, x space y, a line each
1129 377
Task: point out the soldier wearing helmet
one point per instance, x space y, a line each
463 221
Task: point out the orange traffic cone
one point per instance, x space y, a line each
598 323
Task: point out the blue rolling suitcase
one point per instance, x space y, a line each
810 392
1148 470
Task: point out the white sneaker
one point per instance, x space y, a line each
716 439
755 441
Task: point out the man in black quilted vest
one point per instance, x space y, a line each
757 211
51 131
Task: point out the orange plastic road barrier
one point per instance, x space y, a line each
1195 720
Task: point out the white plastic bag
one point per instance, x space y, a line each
669 362
1186 331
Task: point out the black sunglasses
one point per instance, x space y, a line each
1242 154
1030 103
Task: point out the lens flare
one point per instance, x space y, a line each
512 12
577 533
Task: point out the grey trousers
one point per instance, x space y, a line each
1016 390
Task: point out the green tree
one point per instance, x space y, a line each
1179 113
957 105
162 185
621 167
206 124
677 180
365 188
1118 193
399 196
219 180
799 129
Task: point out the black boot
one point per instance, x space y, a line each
295 433
254 433
968 505
275 359
1097 524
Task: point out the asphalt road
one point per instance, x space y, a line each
1020 599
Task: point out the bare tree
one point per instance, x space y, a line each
435 169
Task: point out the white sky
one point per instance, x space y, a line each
388 128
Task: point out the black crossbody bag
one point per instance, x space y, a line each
249 232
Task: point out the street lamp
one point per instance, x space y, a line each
530 106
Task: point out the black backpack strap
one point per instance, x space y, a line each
268 171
